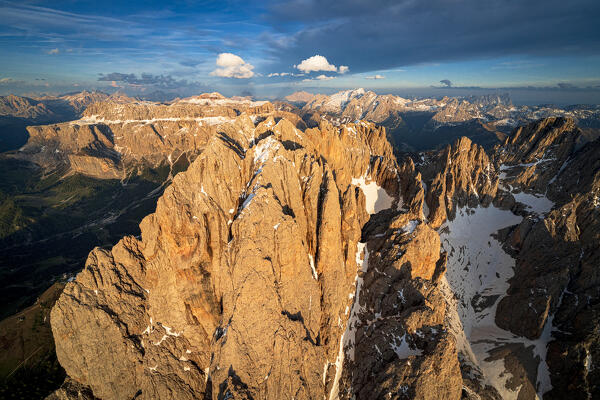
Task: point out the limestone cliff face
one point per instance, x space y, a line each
294 262
242 282
462 175
113 137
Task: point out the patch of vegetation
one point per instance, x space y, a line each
34 382
28 365
50 222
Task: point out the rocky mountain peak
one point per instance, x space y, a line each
266 209
307 262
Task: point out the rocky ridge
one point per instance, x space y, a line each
430 123
275 211
113 138
294 262
17 112
546 175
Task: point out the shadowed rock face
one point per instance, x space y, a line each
557 254
300 263
547 173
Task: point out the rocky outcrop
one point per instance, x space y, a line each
465 177
295 262
547 174
399 345
48 108
239 286
555 250
23 107
113 138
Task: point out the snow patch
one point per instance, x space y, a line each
403 350
376 197
170 331
539 204
475 281
312 266
162 339
410 227
264 148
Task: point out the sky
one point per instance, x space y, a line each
539 51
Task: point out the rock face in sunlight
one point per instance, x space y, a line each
294 262
116 137
244 278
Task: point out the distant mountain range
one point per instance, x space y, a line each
422 124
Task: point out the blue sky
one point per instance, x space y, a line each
542 50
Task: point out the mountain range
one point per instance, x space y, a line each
423 124
346 246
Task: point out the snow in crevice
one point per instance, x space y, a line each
312 266
248 200
170 331
562 167
476 279
537 203
264 149
376 198
410 226
162 339
403 349
347 340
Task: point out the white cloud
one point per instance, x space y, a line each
343 69
6 80
232 66
315 63
319 78
375 77
53 51
278 74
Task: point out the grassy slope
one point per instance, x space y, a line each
28 365
48 224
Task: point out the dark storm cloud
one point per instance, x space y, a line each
161 81
446 82
393 33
